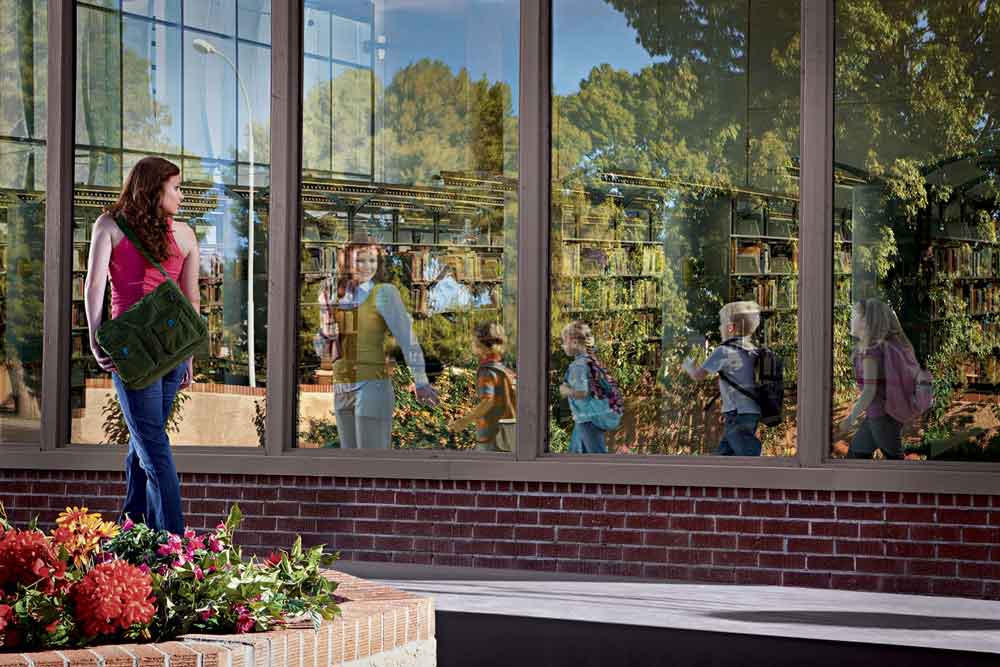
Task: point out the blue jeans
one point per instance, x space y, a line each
587 439
152 488
877 433
740 437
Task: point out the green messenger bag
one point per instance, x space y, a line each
156 334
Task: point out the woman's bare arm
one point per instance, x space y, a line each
188 280
94 287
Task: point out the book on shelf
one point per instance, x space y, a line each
748 257
80 258
78 283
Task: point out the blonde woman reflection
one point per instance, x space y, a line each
357 311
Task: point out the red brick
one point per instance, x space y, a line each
358 511
633 537
961 587
580 503
881 531
506 501
538 502
600 552
810 511
671 506
587 535
667 538
910 515
773 510
806 579
859 513
714 575
559 518
963 552
935 533
965 517
834 529
907 585
484 532
645 554
931 568
438 514
730 525
758 577
880 565
626 505
476 516
717 507
859 548
760 543
855 582
394 543
689 557
978 570
734 558
647 522
779 527
693 523
535 533
602 520
909 550
558 550
845 563
520 517
474 548
391 512
713 541
981 535
517 549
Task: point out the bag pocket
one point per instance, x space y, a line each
131 358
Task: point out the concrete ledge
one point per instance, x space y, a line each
378 625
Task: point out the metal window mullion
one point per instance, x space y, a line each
55 407
534 169
285 211
816 229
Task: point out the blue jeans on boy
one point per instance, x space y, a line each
882 433
587 439
740 437
152 488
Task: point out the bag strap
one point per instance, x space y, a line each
130 235
737 386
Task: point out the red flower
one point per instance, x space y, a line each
113 596
273 559
27 557
6 615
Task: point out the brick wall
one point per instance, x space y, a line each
944 544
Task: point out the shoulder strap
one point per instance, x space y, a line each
130 235
737 386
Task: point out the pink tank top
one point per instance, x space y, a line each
132 277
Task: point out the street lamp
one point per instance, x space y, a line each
208 48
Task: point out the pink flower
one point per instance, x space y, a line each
207 614
199 574
214 544
144 568
221 527
128 525
173 546
188 533
194 544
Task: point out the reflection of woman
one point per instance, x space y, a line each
875 325
148 202
358 311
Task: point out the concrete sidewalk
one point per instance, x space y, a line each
813 615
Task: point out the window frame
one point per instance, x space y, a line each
811 468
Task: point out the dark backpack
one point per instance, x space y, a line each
768 390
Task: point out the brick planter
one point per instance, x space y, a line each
377 624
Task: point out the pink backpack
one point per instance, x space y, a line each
908 388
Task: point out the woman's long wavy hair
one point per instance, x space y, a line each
881 325
139 204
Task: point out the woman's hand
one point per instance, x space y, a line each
188 378
103 360
427 395
565 390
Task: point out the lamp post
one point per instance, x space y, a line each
208 48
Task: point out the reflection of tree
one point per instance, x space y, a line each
23 74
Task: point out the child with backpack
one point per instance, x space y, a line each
495 385
893 387
734 361
594 398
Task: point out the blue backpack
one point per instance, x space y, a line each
604 388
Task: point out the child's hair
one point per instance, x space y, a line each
579 332
881 324
491 336
743 315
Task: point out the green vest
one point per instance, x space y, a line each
362 340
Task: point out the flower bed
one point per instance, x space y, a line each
91 581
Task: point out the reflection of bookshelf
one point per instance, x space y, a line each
607 267
966 271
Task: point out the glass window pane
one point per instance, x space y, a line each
674 227
165 10
218 16
207 137
23 63
255 20
211 96
916 254
151 86
410 150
